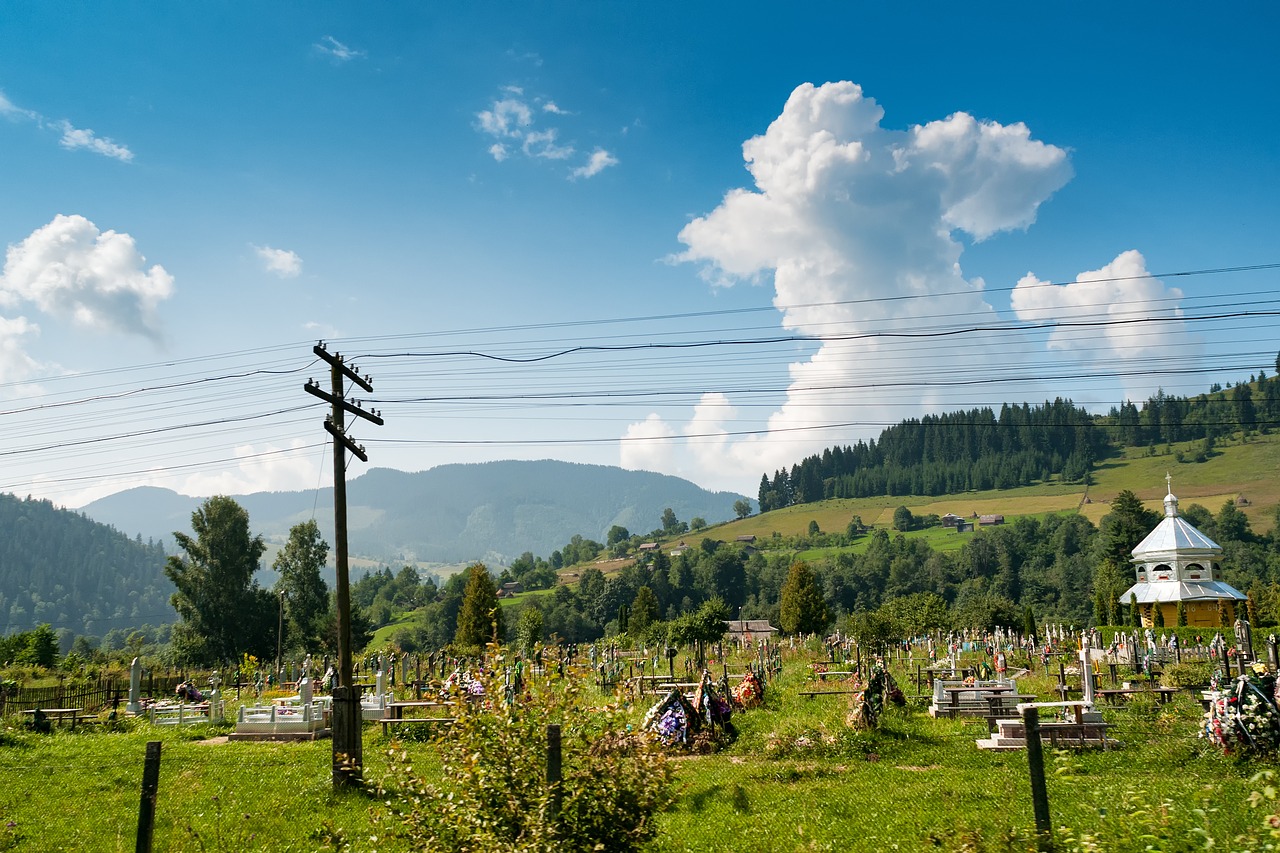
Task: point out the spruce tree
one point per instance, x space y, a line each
802 608
480 618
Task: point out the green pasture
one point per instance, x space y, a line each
798 777
1237 467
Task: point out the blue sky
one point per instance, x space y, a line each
193 194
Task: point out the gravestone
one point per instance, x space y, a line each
135 688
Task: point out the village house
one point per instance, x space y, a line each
750 630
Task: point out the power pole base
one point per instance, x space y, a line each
348 748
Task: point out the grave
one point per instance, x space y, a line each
277 722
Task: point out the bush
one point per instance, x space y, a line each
1187 675
614 781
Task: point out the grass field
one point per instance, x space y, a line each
797 778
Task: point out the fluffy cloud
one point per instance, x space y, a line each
1121 291
72 137
848 217
513 121
97 279
15 364
647 446
596 163
258 468
506 118
279 262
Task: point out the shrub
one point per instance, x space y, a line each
1187 675
496 796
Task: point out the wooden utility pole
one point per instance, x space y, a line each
348 751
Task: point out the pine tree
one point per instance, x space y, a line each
1182 614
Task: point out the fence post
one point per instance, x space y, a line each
553 765
1035 766
150 788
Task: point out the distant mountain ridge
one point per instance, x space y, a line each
491 511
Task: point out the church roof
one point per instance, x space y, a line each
1173 533
1149 593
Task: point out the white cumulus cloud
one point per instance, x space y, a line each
97 279
596 163
259 468
506 118
847 216
1117 294
647 446
281 262
15 364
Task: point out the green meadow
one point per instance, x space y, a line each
798 776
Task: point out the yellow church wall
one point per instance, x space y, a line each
1200 614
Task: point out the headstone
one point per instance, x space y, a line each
1086 673
135 688
380 683
1273 659
1244 641
304 691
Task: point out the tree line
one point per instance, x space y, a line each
979 450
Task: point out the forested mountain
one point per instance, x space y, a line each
492 511
59 567
1022 445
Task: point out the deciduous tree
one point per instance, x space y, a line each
224 612
306 601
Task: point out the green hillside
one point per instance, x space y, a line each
1248 469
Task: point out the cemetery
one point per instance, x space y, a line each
823 720
1118 738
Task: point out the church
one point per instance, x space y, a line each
1176 563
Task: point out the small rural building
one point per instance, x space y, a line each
648 548
747 539
988 520
510 590
951 520
750 630
1177 563
963 526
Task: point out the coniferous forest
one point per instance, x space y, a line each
63 569
980 449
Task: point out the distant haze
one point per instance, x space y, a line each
491 511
